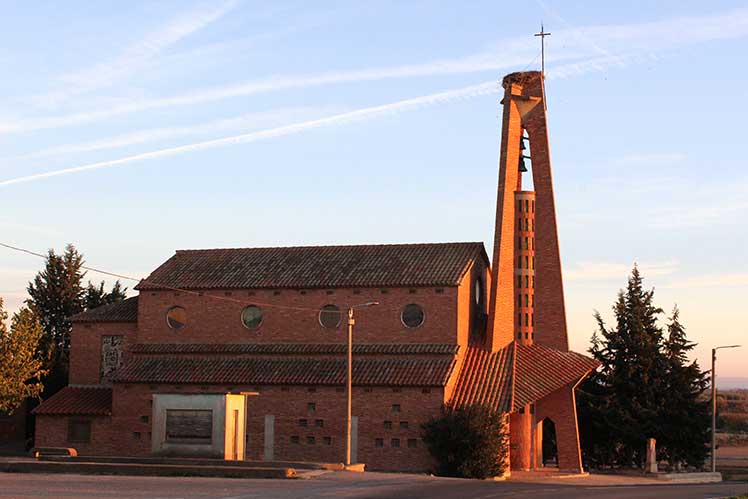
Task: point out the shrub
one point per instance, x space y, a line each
469 442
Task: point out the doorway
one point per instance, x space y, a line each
550 448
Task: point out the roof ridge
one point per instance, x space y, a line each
321 246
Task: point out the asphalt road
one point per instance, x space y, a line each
333 485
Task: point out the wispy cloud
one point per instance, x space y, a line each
582 53
606 271
739 279
352 116
244 122
137 56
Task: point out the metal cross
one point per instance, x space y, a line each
542 36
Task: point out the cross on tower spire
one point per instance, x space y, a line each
542 36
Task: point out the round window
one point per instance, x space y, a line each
329 316
176 318
252 317
412 315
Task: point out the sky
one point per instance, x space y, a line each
132 129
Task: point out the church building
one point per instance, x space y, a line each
241 353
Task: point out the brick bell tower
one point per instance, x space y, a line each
527 298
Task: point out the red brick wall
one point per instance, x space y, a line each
560 407
52 431
218 321
114 436
85 348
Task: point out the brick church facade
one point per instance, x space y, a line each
241 354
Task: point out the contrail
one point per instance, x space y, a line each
352 116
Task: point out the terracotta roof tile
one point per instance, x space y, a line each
258 371
388 265
485 379
122 311
294 348
83 400
541 370
516 375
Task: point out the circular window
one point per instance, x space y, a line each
252 317
176 318
412 315
329 316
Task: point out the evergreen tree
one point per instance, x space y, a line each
56 294
96 296
686 416
645 387
21 365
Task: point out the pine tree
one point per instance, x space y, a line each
56 294
96 296
629 386
685 419
21 365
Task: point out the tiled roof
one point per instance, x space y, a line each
83 400
259 371
387 265
485 379
541 370
121 311
516 375
295 348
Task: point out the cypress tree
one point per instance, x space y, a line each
686 415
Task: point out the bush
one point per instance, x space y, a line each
470 442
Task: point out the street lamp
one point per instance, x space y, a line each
714 404
349 377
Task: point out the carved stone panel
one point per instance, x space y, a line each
111 356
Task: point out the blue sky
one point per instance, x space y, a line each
378 122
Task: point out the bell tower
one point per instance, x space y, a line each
527 297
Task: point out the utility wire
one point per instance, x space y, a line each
192 292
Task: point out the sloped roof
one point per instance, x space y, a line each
386 265
541 370
78 400
295 348
486 379
261 371
517 375
121 311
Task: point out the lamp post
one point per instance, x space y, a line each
349 378
714 404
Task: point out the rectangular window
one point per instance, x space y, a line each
311 407
412 443
397 390
303 423
533 206
310 440
519 205
136 435
519 261
79 430
527 281
395 407
319 423
144 419
519 242
527 243
519 281
519 300
378 442
388 425
527 262
527 319
527 224
395 443
403 425
527 205
327 440
425 390
189 427
519 319
295 439
312 389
